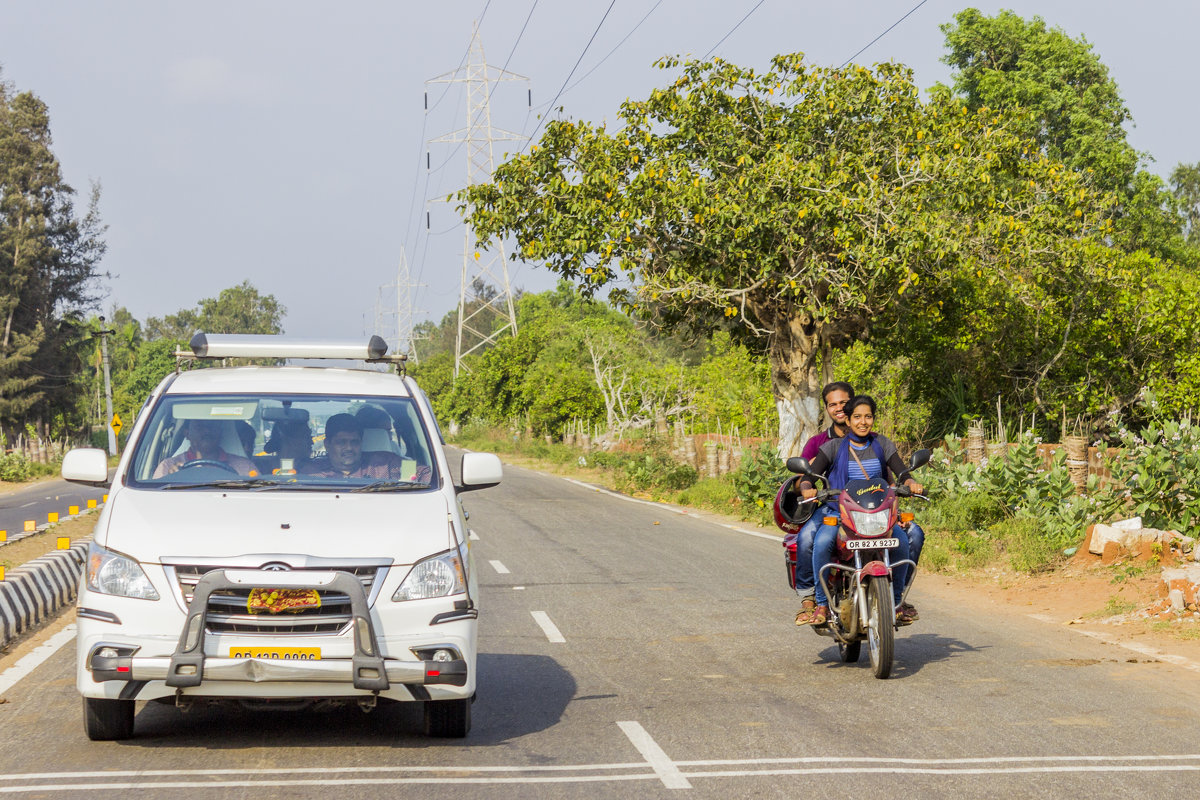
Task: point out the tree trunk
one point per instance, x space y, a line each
796 378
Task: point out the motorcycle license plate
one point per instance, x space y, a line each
872 544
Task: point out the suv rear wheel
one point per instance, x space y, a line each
448 719
106 720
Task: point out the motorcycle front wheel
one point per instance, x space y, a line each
881 619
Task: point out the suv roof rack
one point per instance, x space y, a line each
206 345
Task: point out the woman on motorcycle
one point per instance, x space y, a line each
860 454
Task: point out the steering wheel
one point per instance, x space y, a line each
208 462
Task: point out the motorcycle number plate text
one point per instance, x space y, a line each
872 544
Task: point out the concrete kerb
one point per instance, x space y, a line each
34 591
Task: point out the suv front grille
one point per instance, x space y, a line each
227 612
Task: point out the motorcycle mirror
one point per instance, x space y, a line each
919 459
799 465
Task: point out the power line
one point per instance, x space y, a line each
734 28
597 65
572 72
885 33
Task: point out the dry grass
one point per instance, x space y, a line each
14 554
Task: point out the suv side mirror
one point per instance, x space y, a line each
86 465
480 471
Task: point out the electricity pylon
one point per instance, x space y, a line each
403 310
484 313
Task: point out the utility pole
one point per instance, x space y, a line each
485 301
112 436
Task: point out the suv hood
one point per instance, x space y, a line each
150 525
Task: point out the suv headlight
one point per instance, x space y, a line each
113 573
436 576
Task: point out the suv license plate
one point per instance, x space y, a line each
872 544
282 653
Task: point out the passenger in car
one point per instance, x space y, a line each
344 456
289 441
204 444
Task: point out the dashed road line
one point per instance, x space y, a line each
500 568
666 769
472 535
548 627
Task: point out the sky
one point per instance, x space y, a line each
287 143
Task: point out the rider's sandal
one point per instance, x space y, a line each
911 611
805 615
906 615
820 615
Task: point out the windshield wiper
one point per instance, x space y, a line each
243 483
390 486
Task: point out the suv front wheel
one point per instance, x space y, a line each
107 720
448 719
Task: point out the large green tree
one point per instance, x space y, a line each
49 256
799 207
238 309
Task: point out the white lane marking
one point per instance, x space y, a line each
674 510
27 505
35 658
472 535
182 773
659 761
496 565
929 762
513 774
159 785
1142 649
518 588
548 627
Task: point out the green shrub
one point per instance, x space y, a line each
15 468
757 481
654 471
1028 547
714 494
1159 469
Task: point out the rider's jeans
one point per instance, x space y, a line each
804 551
825 542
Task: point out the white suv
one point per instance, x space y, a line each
236 561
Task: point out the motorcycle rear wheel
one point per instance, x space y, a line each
881 631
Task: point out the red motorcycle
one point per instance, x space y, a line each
858 582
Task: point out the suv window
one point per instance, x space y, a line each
272 441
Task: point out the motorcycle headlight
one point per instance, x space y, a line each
113 573
870 524
437 576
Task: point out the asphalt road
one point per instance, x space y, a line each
628 651
36 502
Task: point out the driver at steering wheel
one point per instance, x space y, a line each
204 440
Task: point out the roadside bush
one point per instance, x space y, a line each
757 481
15 468
713 494
654 471
1159 469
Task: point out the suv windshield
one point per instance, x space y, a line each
304 442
